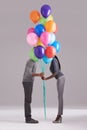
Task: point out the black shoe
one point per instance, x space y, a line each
31 121
58 119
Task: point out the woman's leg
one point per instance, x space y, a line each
60 89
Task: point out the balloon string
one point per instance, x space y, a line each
44 89
44 93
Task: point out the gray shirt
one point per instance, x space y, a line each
29 69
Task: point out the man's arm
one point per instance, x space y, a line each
38 74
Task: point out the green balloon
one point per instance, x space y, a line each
32 55
42 20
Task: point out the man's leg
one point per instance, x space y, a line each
28 88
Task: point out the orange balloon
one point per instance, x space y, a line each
35 16
50 26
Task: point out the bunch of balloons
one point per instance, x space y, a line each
42 37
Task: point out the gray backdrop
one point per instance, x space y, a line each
71 17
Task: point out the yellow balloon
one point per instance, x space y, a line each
50 18
40 43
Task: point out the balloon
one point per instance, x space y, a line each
50 52
50 26
45 10
32 55
35 16
39 51
32 39
56 44
30 30
47 60
56 29
40 43
42 20
53 37
50 18
45 38
39 29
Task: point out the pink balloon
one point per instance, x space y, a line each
45 38
32 39
30 30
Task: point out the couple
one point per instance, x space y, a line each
28 79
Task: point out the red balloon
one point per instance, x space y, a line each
50 52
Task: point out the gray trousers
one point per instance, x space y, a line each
60 90
28 88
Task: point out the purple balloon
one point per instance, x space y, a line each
39 51
45 10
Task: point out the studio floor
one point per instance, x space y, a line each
13 119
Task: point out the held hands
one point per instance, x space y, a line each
42 76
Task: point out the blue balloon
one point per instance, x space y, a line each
56 44
47 60
45 10
39 29
39 52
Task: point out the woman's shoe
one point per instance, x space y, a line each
58 119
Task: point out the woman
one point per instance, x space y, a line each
55 69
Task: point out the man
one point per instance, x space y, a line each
28 80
